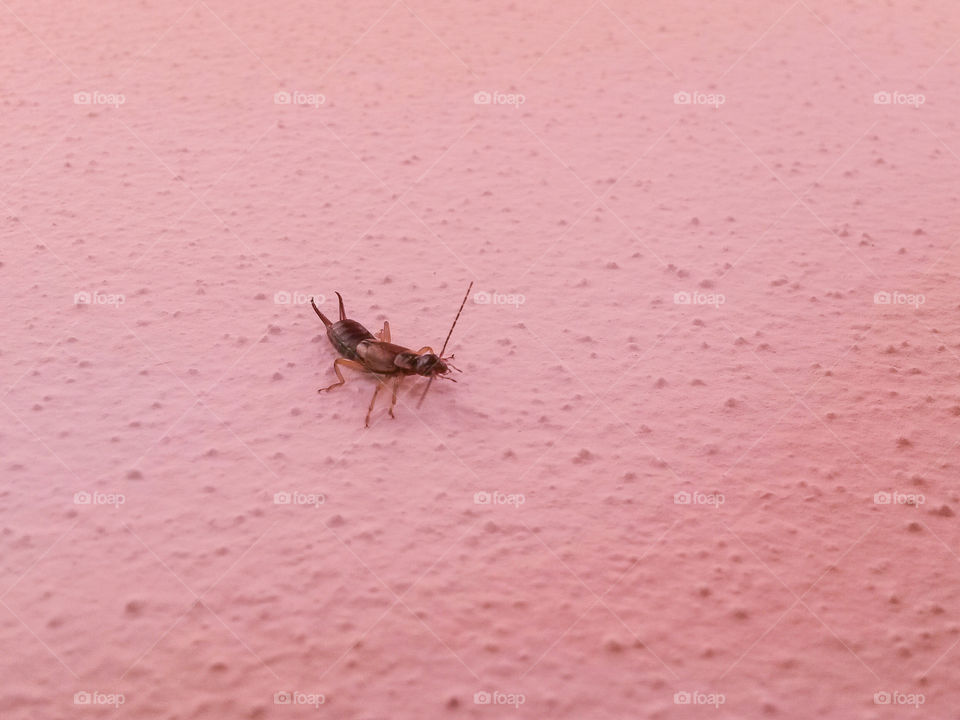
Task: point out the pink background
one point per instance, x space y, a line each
200 201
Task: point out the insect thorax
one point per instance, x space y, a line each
406 361
426 364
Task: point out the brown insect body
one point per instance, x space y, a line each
361 350
385 357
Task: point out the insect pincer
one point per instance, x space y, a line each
324 318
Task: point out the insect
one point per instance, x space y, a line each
360 350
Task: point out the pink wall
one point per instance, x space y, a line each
705 336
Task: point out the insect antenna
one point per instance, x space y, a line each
430 381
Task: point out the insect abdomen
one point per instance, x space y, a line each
345 335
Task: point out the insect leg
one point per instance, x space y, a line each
426 348
336 368
384 335
396 389
373 400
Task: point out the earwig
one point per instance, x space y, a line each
360 350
